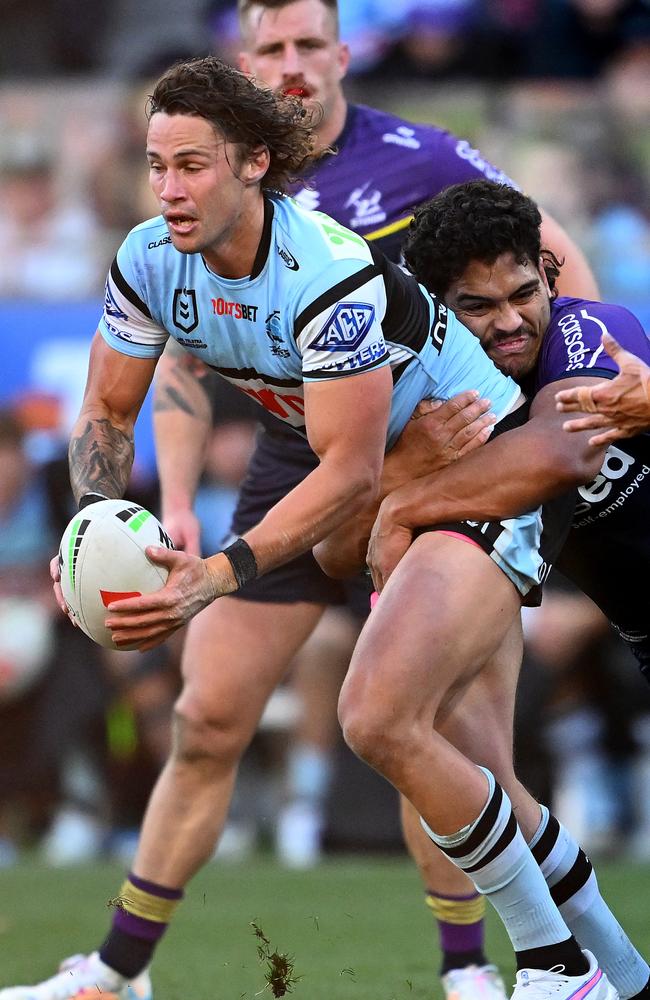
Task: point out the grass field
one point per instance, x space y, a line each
357 929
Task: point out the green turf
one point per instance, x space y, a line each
357 929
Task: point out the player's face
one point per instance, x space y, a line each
295 50
199 180
507 306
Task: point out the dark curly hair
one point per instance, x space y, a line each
243 113
477 220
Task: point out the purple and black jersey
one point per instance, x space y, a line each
608 548
383 169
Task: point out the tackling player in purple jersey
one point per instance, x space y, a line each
477 246
610 526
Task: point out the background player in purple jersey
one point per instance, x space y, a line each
384 167
478 245
617 409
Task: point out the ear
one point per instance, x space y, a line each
255 166
343 59
542 274
244 63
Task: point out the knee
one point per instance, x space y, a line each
206 738
375 732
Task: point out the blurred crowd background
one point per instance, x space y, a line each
557 92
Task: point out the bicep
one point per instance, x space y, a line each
349 416
117 383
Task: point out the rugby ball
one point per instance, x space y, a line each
102 559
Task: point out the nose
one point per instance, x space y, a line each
292 62
508 319
171 189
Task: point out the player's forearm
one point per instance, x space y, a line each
100 454
514 473
342 553
326 498
181 443
182 420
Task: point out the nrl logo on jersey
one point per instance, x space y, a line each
184 309
367 205
346 327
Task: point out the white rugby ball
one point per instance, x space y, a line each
102 559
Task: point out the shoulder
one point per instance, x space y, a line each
320 240
393 131
572 342
587 320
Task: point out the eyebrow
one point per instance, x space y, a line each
180 155
311 39
467 297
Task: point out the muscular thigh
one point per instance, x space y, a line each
235 654
444 613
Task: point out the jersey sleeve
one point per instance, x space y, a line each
127 324
339 332
572 344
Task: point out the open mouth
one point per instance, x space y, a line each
181 225
513 346
297 91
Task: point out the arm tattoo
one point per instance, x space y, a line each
176 386
100 460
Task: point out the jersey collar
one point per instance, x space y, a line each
265 242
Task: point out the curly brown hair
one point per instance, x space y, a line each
243 113
476 220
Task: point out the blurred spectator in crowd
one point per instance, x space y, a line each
436 39
39 661
119 188
618 201
583 38
596 721
49 37
577 39
50 243
144 38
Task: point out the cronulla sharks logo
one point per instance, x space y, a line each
184 309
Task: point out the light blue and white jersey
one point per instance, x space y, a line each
319 304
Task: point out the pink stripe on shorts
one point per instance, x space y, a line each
374 597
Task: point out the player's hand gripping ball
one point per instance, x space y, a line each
102 559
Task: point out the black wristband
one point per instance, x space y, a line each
243 562
89 498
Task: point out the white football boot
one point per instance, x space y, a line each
476 982
555 985
83 977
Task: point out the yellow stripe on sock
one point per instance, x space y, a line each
144 904
456 911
